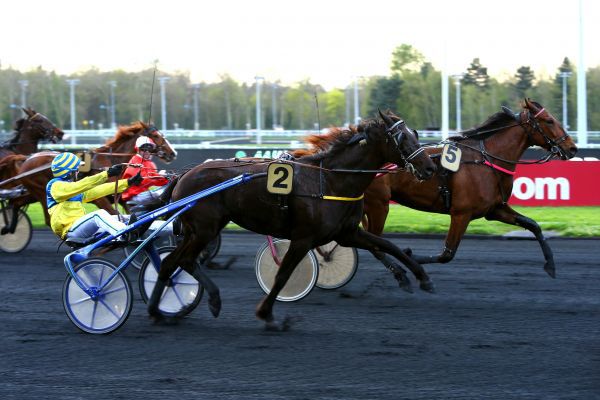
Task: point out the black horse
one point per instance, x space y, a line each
325 204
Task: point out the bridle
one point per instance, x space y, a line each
50 134
160 148
396 133
554 145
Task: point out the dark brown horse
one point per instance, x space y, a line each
482 185
29 131
324 205
116 150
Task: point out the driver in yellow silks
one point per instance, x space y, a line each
65 198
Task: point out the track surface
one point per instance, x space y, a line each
497 328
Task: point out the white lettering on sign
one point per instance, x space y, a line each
541 188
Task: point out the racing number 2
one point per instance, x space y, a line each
280 178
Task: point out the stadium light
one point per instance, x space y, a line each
163 102
259 80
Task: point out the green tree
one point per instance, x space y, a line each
384 94
523 81
477 75
406 58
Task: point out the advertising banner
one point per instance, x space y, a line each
557 183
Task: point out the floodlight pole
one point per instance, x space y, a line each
163 101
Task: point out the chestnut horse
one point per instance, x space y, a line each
28 132
325 204
482 185
116 150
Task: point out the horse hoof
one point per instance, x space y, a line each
214 305
408 251
427 286
403 282
550 270
405 285
285 325
4 231
158 318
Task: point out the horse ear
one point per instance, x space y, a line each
510 112
388 121
28 111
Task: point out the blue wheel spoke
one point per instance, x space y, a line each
110 309
80 301
178 297
113 290
94 313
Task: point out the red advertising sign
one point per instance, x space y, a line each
557 183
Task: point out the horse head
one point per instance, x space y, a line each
547 132
40 124
164 149
405 149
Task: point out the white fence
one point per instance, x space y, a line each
203 139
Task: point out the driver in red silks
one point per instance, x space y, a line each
144 146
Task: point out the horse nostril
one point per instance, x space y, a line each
573 150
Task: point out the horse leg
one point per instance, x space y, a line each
11 220
506 214
14 205
187 262
167 267
380 247
295 253
458 226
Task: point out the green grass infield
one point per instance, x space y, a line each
563 221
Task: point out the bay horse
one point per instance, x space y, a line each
29 131
325 204
118 149
482 185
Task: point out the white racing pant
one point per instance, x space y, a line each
101 221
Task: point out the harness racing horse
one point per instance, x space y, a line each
118 149
482 185
325 204
28 132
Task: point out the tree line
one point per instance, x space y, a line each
412 89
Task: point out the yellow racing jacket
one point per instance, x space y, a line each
65 199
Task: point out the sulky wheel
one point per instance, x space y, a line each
108 308
182 293
303 278
20 238
161 241
337 265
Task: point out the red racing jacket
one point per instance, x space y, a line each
149 172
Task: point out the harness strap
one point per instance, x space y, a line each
499 168
344 198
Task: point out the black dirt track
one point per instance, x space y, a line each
497 328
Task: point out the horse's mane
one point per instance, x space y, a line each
124 132
334 140
486 129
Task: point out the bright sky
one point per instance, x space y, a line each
327 41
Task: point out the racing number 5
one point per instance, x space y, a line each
451 154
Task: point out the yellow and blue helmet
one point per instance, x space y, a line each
63 164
